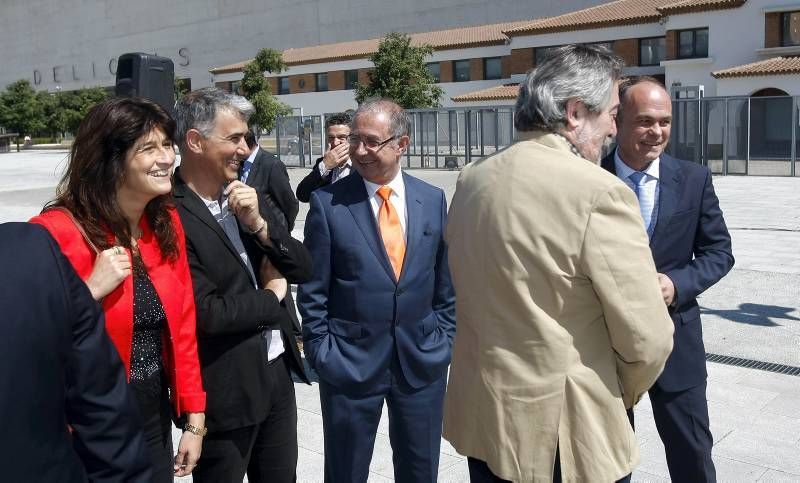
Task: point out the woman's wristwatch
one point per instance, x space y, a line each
195 430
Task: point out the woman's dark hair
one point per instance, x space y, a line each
97 169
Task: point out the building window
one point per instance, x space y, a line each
492 68
435 70
790 28
236 87
322 82
652 51
603 45
283 85
693 43
461 70
350 79
541 53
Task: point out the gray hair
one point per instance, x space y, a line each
399 120
198 110
583 72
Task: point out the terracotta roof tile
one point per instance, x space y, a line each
496 93
773 66
692 6
458 38
620 12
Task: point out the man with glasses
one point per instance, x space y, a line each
335 164
378 313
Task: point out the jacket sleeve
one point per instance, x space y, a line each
617 259
312 297
713 254
281 191
222 313
444 300
107 432
191 396
312 181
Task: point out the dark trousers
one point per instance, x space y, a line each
683 425
266 452
153 401
479 472
350 422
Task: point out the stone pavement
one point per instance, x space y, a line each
752 313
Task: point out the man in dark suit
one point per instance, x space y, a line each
692 251
59 368
335 164
267 174
241 258
379 312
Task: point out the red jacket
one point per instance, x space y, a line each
172 282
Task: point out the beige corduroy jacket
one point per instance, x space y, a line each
561 323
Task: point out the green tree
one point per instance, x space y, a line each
74 105
21 111
400 74
255 88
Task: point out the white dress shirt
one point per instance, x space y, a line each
648 199
248 164
397 199
227 220
338 172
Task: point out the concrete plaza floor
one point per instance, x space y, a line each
752 314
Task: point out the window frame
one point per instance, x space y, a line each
347 84
455 70
694 43
784 15
436 77
639 48
317 77
281 90
500 66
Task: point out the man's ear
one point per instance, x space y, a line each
575 112
194 141
402 143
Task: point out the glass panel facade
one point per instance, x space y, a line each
350 79
436 70
652 51
693 43
790 28
541 53
283 85
322 82
461 70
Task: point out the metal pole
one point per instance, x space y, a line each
792 167
747 154
479 131
436 138
467 137
725 128
278 125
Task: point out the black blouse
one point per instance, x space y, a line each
149 320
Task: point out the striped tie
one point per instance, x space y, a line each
646 201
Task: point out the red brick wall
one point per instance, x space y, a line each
475 69
628 49
446 71
521 61
672 44
310 83
336 80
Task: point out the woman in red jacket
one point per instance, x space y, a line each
114 220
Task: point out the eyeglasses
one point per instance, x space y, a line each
369 143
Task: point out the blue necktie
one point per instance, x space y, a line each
245 170
645 199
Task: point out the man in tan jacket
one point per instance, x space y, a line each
561 321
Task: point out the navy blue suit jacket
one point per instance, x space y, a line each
691 245
355 314
58 367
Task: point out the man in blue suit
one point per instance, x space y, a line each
692 251
379 312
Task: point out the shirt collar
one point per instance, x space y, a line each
252 157
624 171
397 185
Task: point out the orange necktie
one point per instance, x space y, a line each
391 231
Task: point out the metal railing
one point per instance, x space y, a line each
738 135
730 135
440 138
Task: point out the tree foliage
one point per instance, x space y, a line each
255 88
400 74
22 111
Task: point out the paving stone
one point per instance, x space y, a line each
760 450
732 470
786 405
773 476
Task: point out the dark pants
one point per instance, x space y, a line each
479 472
266 452
682 422
350 422
153 401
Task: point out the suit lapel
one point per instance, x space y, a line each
415 212
670 187
359 206
193 204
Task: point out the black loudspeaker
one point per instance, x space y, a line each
149 76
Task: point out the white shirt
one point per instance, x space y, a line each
227 220
338 172
397 199
250 159
650 187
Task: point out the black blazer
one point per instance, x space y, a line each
232 313
58 367
692 246
269 177
312 181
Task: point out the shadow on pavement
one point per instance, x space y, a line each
754 314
